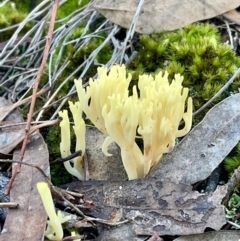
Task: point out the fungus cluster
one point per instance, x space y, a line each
154 113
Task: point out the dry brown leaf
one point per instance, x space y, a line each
232 235
28 222
12 132
204 148
233 16
6 108
154 206
11 136
156 16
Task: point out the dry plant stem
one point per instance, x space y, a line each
43 123
54 103
36 127
32 130
17 104
229 34
35 88
229 225
9 205
131 30
218 93
74 194
234 224
68 158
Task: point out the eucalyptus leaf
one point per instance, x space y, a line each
229 235
156 16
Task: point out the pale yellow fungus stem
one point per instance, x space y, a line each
54 230
80 130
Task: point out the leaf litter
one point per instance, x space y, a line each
19 222
153 206
28 222
232 235
210 214
165 15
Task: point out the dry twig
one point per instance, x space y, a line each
35 88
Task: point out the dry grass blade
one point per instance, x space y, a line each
34 96
58 62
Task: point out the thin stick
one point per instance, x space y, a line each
35 87
234 224
9 205
45 124
48 123
70 157
229 34
234 219
21 102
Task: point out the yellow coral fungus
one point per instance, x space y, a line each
155 114
163 106
99 90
